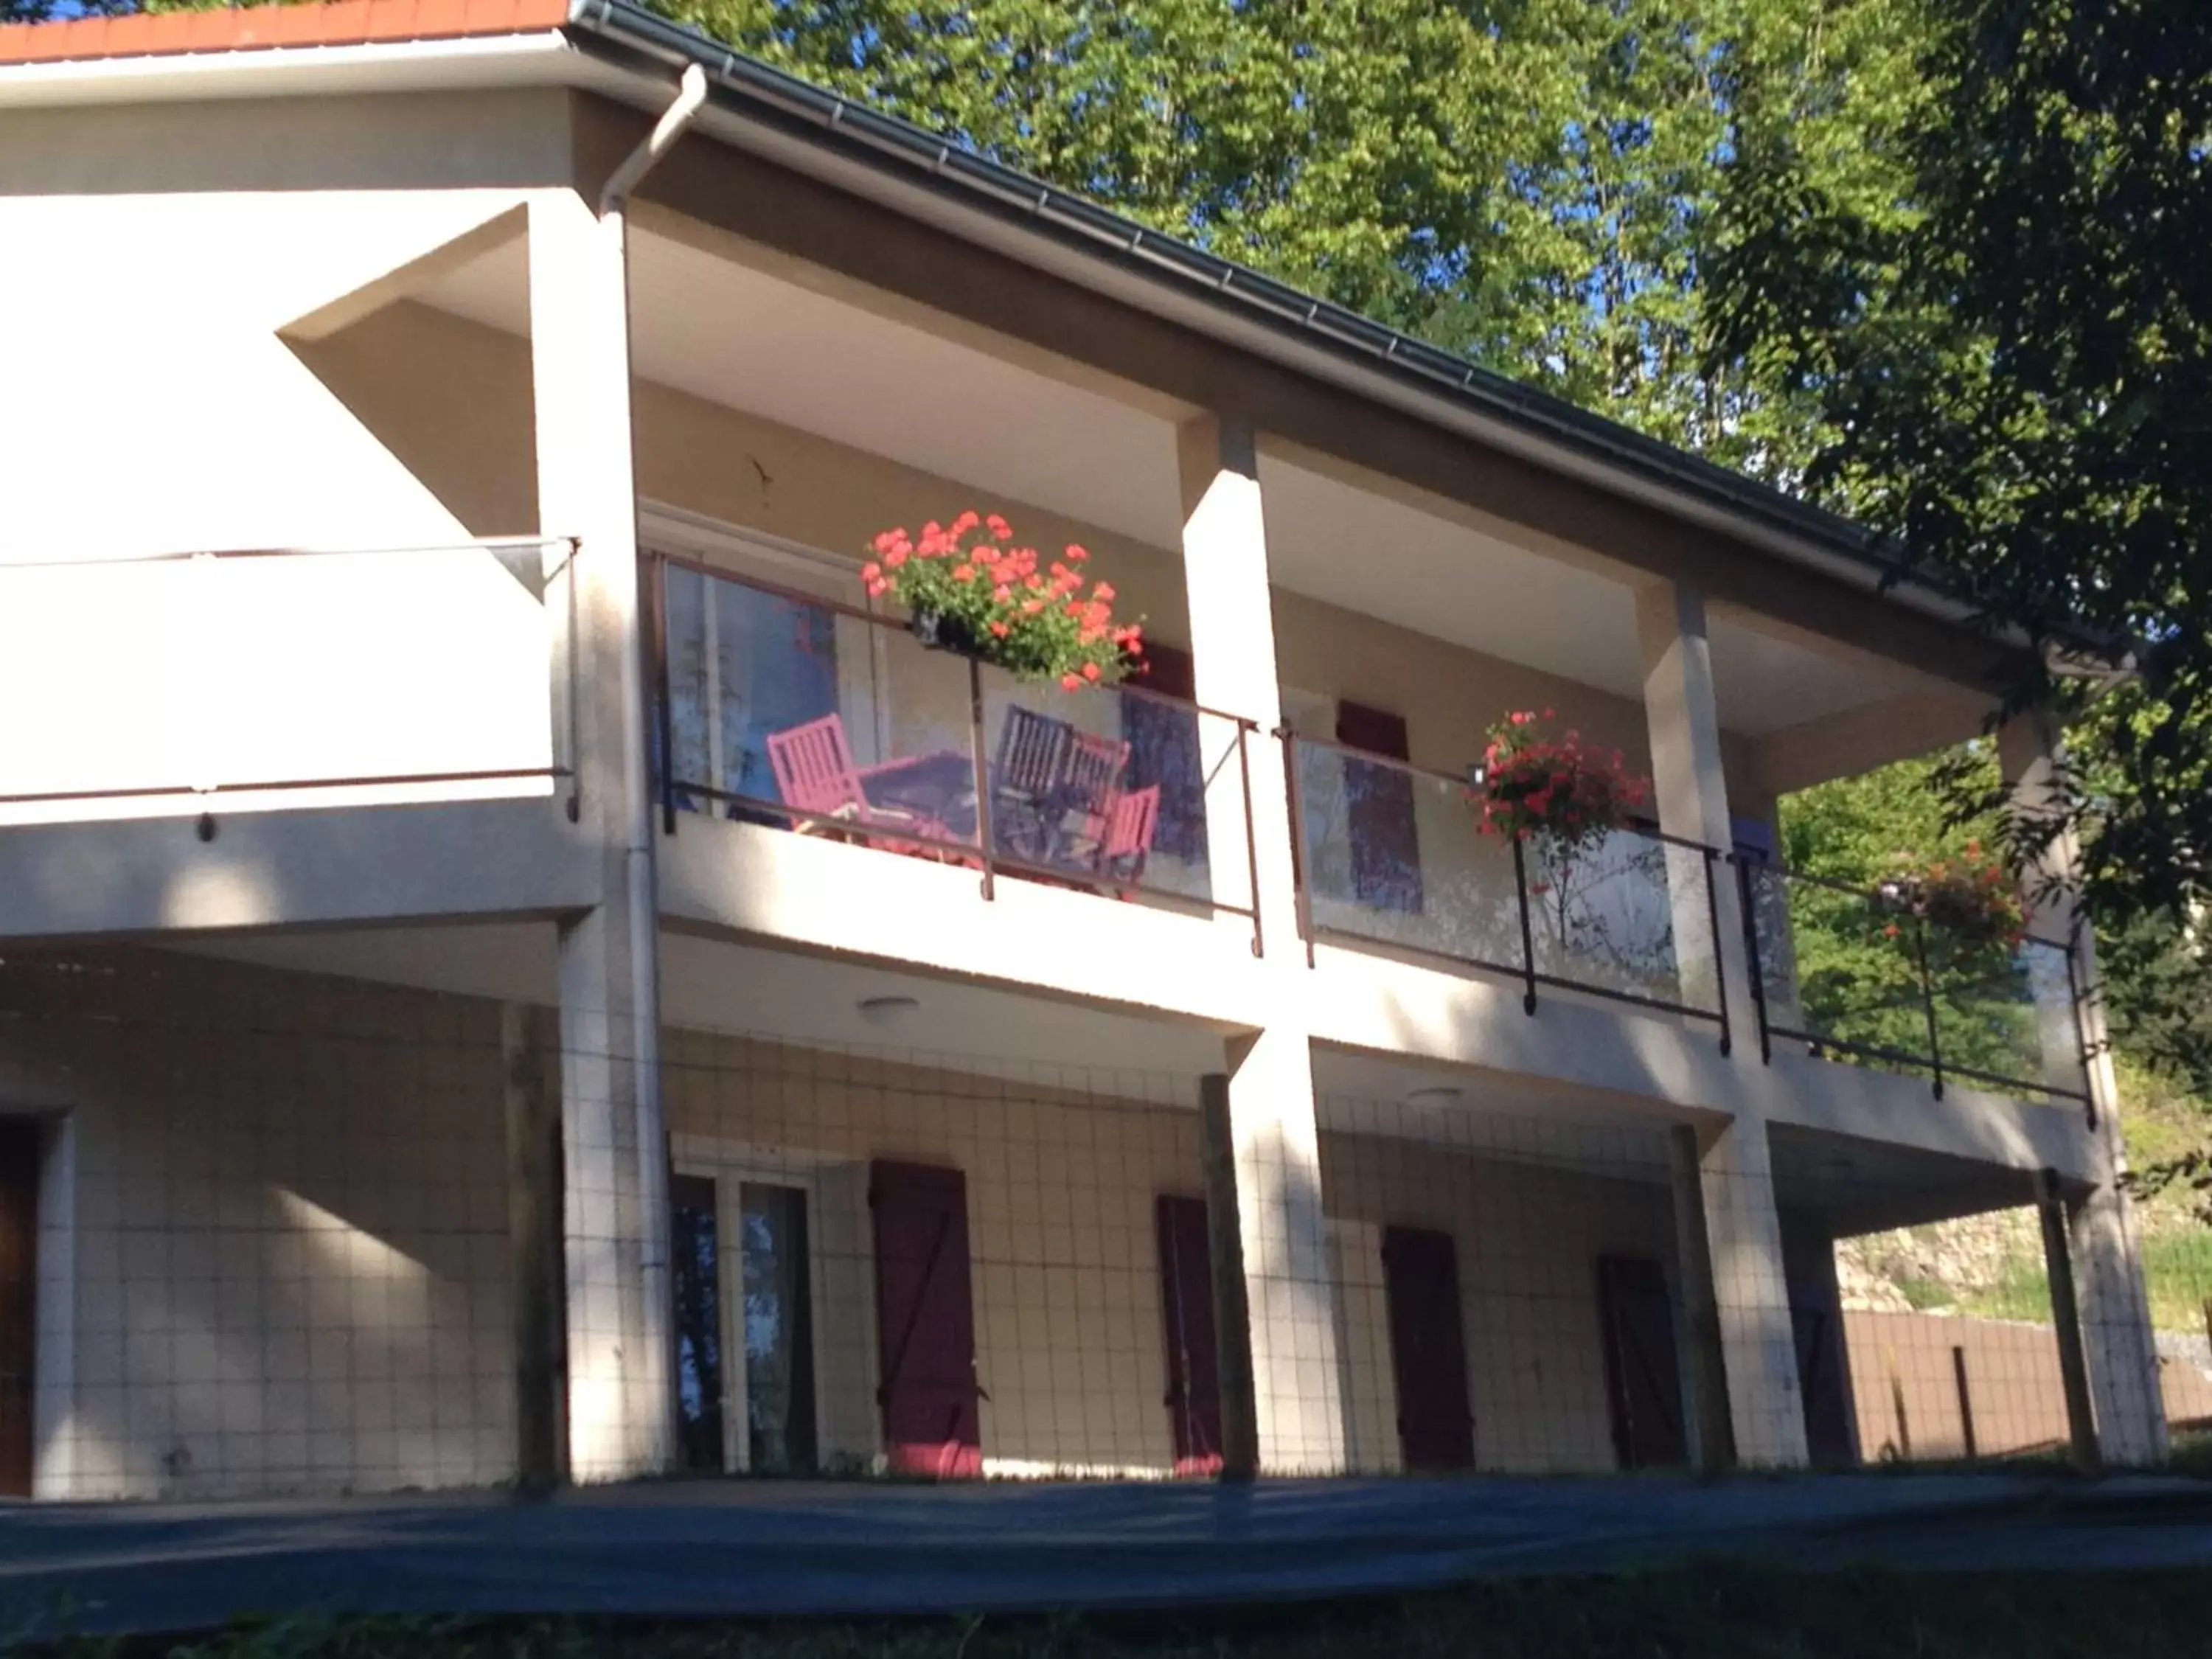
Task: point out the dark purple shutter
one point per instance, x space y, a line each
925 1321
1640 1370
1823 1380
1386 848
1163 751
1428 1349
1193 1399
18 1242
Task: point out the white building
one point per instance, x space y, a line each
424 501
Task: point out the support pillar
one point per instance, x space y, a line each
2066 1320
1751 1292
1233 1308
1690 789
1266 1115
1290 1292
615 1200
1693 1251
534 1247
2113 1311
1232 641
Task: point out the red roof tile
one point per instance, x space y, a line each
332 23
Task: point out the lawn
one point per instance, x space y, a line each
1719 1611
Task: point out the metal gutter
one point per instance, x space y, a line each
1227 298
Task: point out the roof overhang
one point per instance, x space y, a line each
623 52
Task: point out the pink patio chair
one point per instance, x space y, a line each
1130 825
814 773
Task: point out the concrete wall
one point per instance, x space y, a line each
265 670
276 1239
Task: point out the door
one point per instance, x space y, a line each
925 1321
19 1248
1428 1350
695 1275
1194 1398
1641 1372
1822 1378
1385 843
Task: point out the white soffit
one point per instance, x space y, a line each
739 336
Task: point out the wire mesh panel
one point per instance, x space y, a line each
284 1227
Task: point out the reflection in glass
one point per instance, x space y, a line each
778 1335
697 1280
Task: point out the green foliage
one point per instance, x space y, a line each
2017 374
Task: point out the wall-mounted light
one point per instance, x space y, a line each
1436 1094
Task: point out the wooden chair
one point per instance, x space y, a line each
1130 825
1089 785
815 774
1026 770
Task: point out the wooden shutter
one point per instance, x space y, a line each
1642 1375
19 1272
1194 1397
1428 1349
1163 751
925 1321
1386 848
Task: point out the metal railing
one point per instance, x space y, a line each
1388 855
940 745
1839 970
199 699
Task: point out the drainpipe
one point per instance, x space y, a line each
690 96
641 882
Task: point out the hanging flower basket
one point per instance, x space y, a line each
1969 901
1560 790
970 589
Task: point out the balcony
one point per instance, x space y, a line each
1391 859
1843 975
805 713
255 680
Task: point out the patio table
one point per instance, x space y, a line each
941 785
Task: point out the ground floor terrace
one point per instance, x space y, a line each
275 1217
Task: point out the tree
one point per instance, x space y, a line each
2011 363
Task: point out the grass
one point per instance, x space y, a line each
1720 1611
2177 1272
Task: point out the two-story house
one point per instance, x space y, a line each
514 960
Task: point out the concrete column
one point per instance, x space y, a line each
1691 794
1751 1289
1693 1255
534 1250
2114 1307
614 1207
1232 640
1289 1291
2066 1322
1233 1308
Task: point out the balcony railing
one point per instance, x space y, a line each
1846 976
1389 856
791 709
160 683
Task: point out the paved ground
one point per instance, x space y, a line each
742 1548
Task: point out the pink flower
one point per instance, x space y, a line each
1103 594
1075 554
1071 682
1000 529
1090 671
1000 630
870 571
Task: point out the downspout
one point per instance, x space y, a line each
640 881
691 98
